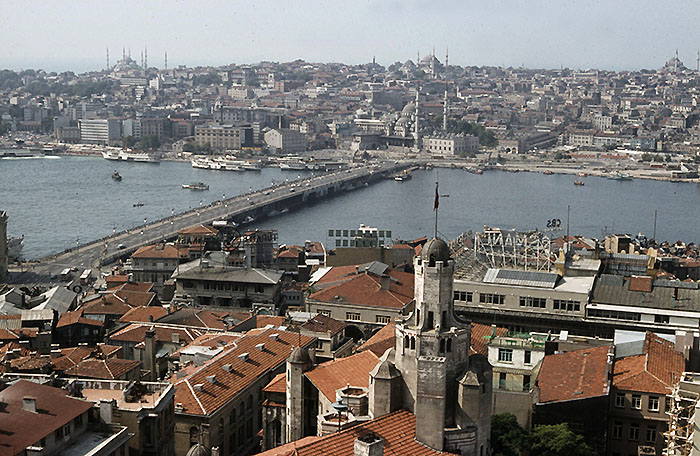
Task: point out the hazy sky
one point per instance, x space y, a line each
59 35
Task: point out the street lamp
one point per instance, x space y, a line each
339 407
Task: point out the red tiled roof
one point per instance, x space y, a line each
159 251
144 313
323 324
654 371
107 369
381 341
243 372
263 320
336 374
21 428
136 332
277 384
574 375
361 288
397 429
480 334
76 317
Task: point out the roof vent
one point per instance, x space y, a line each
260 347
275 336
199 387
227 367
179 407
211 379
29 404
243 356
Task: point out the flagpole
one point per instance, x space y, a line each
437 203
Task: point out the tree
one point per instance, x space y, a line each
558 440
646 157
188 147
149 142
129 142
508 438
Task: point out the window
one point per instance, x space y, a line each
502 380
660 318
465 296
491 298
539 303
634 431
620 400
78 421
354 316
259 288
505 355
528 357
526 383
651 434
431 318
326 313
383 319
566 305
637 401
617 430
617 315
654 404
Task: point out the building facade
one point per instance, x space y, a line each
100 131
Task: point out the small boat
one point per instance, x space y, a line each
403 176
116 176
620 176
138 204
577 182
548 172
581 174
196 186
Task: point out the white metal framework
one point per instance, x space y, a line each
514 250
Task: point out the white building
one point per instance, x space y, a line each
100 131
451 144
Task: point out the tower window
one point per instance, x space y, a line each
431 318
406 342
442 345
413 343
449 345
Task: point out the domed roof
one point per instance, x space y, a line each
199 450
300 355
410 108
436 248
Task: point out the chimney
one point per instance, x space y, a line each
176 338
150 355
369 445
386 282
106 408
215 451
211 379
243 357
199 387
260 347
227 367
29 404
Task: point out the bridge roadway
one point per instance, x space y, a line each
257 204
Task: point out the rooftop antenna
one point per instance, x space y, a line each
697 63
107 57
445 108
145 59
166 60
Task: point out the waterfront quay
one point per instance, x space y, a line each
240 209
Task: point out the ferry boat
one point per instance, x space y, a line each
196 186
252 166
404 176
116 176
10 154
139 157
292 163
578 182
139 204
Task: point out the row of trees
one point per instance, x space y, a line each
192 147
508 438
486 138
148 142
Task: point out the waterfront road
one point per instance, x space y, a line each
104 251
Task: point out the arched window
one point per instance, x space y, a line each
194 435
406 342
232 417
449 345
413 343
431 261
442 345
277 433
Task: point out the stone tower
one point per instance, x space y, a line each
432 347
3 246
299 361
384 387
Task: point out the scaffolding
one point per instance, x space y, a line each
681 423
511 249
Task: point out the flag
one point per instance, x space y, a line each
437 198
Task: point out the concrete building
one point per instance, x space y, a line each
156 264
285 141
100 131
516 362
223 137
451 144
